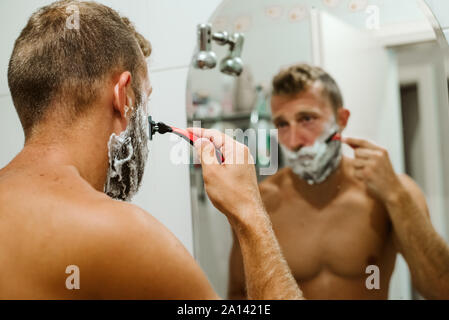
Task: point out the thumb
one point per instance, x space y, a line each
206 150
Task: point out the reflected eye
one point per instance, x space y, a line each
281 124
306 119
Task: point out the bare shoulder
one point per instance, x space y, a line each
141 258
415 191
409 184
122 252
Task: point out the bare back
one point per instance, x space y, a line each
47 216
51 218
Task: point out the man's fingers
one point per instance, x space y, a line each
358 174
359 163
206 151
359 143
233 151
196 131
365 154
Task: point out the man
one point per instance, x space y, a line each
335 216
81 94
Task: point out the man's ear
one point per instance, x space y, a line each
343 117
121 97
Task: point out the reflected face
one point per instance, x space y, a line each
303 118
304 123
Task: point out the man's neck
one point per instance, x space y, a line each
85 152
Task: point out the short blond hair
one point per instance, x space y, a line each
300 77
51 62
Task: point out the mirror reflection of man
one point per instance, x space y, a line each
337 217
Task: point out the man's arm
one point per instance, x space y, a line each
236 284
135 257
232 188
425 251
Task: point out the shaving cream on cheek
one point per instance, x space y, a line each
127 154
315 163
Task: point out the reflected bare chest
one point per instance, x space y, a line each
342 238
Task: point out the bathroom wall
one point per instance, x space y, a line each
171 27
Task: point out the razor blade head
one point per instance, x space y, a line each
152 127
159 127
336 136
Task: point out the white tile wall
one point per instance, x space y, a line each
170 25
11 134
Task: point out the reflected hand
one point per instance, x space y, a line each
372 165
232 186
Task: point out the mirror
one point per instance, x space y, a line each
386 58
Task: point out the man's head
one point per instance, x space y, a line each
305 99
60 76
307 109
